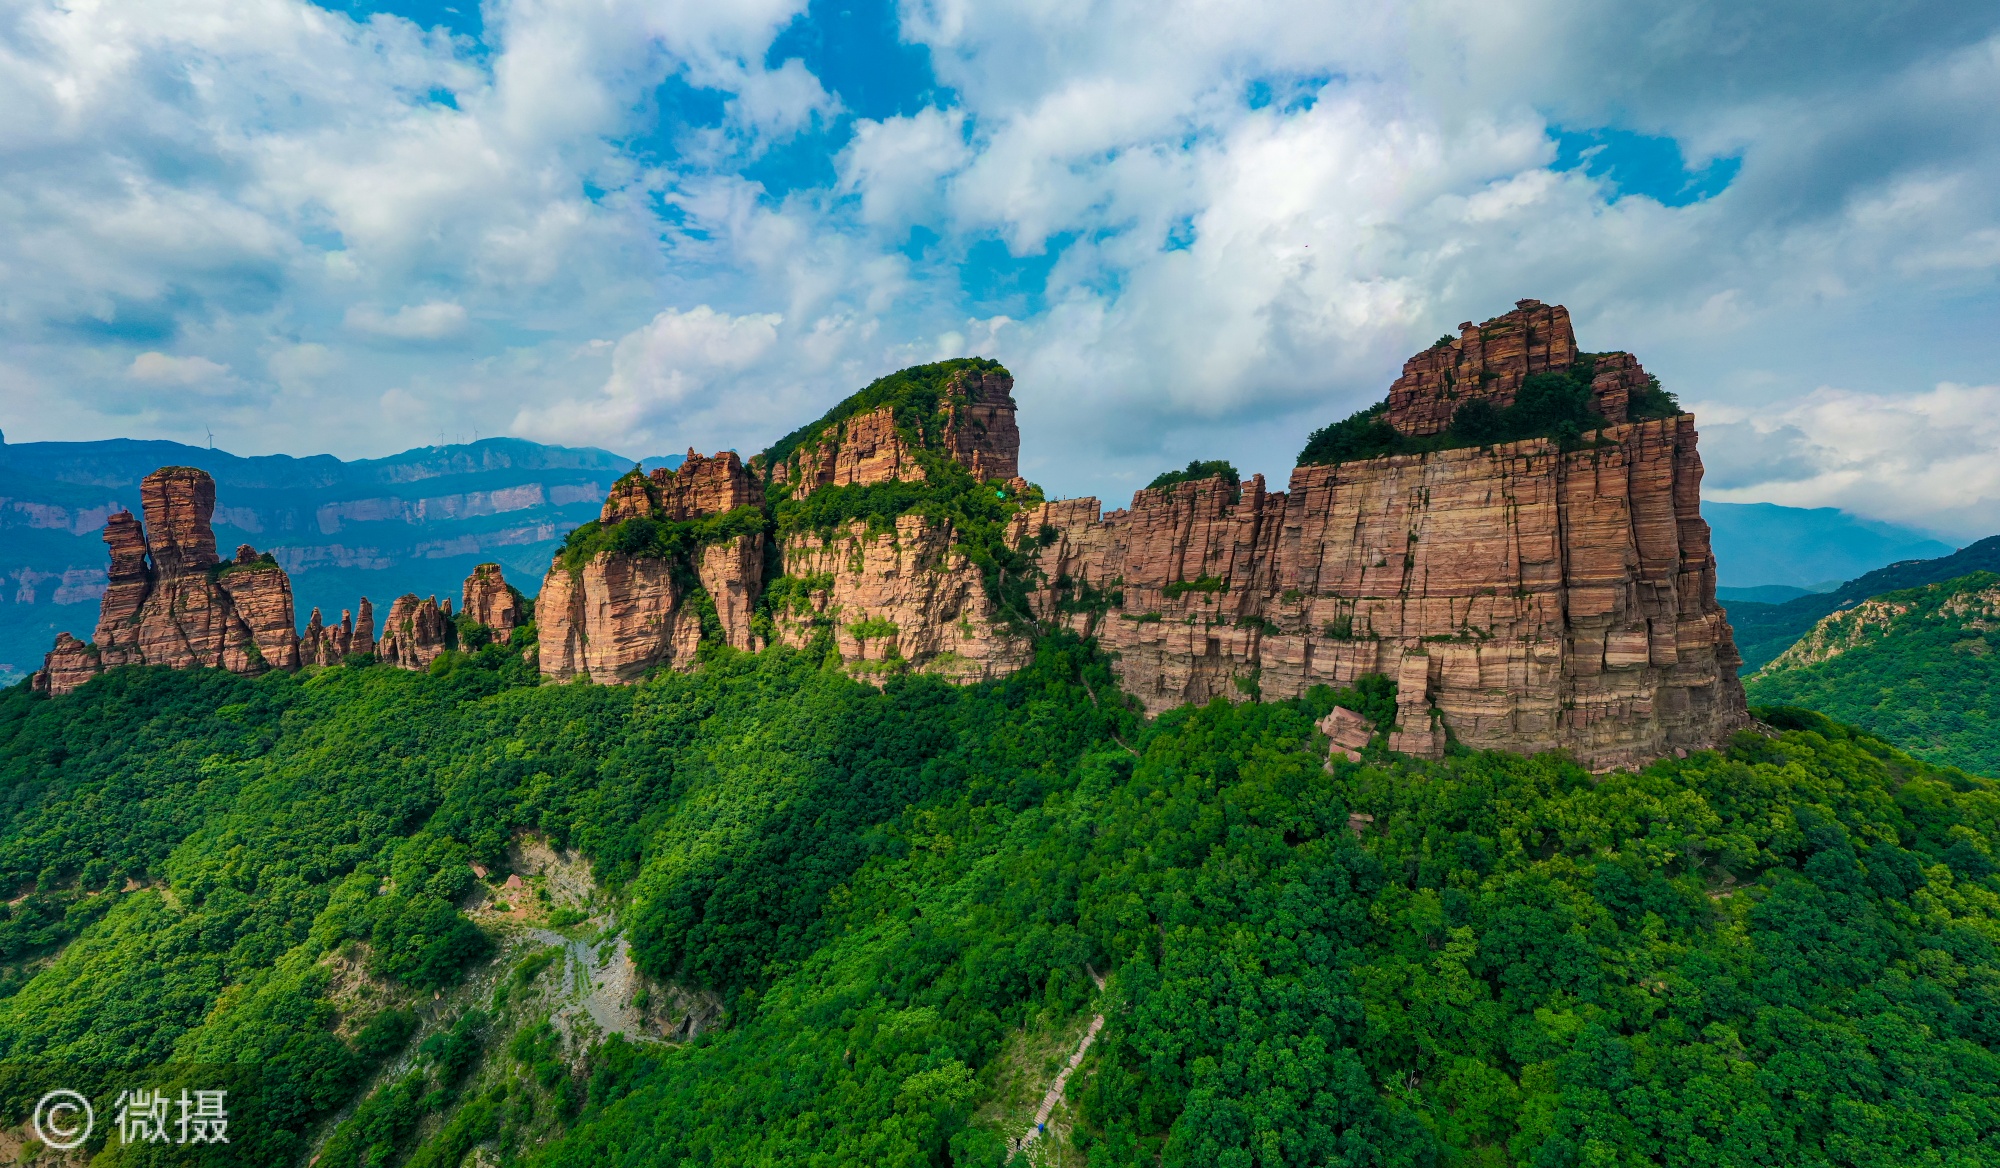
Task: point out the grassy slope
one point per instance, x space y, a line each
1783 954
1928 679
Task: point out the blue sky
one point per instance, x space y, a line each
1190 231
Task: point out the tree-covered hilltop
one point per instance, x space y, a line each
1918 666
1763 631
917 396
889 910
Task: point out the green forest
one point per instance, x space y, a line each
1927 676
868 923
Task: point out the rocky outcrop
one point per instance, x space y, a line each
1487 361
906 598
414 633
170 602
492 602
980 433
324 644
261 594
1523 597
364 627
614 618
68 665
620 614
975 426
706 486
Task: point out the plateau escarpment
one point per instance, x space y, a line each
171 600
1514 537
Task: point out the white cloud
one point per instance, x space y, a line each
1248 215
162 369
678 364
1928 459
431 321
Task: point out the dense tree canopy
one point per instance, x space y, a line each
1783 953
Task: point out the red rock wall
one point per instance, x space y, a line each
1534 599
613 619
981 433
911 578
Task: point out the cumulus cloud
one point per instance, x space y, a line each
430 321
678 364
162 369
1190 234
1927 459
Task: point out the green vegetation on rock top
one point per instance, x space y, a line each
1555 405
1196 471
917 393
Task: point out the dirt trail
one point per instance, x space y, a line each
1054 1094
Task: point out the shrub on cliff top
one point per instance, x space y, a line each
1556 405
660 538
1196 471
917 393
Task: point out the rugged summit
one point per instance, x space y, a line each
1514 537
172 601
1551 591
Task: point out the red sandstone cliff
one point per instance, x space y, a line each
413 634
1523 597
618 615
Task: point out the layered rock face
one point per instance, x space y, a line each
905 597
981 434
170 600
1523 597
619 615
491 602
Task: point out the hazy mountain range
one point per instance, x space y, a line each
413 522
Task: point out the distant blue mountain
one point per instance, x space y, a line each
1812 549
413 522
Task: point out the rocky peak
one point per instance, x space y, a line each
1488 361
413 635
700 486
980 431
490 601
633 496
179 502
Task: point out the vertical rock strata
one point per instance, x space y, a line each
413 634
617 614
489 600
1523 597
908 596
